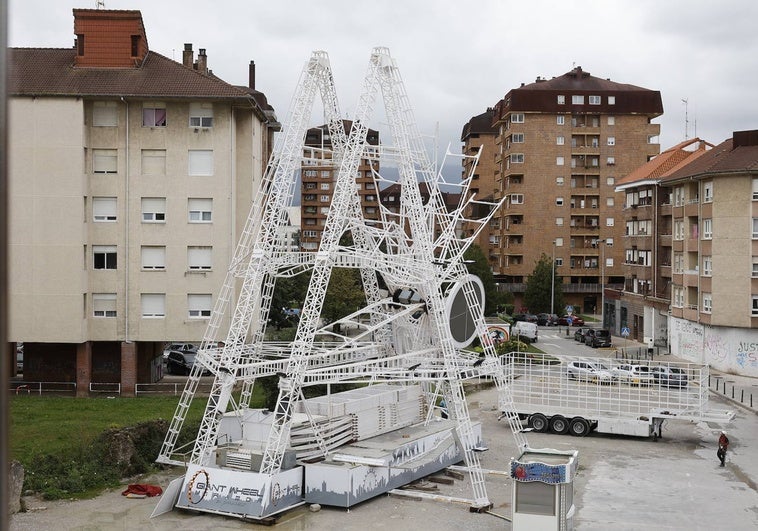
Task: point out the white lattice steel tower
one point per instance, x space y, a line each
421 304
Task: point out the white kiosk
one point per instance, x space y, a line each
543 490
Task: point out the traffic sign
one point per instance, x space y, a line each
625 331
569 309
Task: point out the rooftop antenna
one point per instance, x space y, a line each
686 118
99 4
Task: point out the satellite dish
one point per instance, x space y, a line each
461 317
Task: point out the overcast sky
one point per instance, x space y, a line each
457 58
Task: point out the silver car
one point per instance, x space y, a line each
589 371
633 374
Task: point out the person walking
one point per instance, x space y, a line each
723 445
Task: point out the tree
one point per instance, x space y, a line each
478 265
538 293
344 294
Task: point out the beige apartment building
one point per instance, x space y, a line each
319 175
691 252
561 145
130 179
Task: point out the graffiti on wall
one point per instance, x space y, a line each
725 349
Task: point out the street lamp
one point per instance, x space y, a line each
602 283
552 282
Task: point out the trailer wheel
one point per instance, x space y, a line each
579 427
538 422
559 424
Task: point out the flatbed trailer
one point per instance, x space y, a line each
549 400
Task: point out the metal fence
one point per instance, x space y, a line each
38 388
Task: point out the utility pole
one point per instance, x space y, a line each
552 282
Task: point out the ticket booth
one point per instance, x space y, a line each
543 490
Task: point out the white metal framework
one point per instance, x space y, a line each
411 261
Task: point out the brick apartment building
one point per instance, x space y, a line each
130 180
319 175
561 145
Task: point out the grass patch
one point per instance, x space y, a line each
65 444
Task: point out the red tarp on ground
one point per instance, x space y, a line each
143 490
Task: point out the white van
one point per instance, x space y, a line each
524 331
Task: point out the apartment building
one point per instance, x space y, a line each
478 137
130 179
700 203
319 175
642 305
561 145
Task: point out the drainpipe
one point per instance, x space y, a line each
126 228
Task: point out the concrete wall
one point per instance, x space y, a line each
732 350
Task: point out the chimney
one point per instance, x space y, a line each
188 56
202 62
251 76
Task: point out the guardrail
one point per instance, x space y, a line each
100 387
169 388
37 388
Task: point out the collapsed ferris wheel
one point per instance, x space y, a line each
421 308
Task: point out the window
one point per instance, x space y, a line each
154 115
708 192
104 208
611 140
611 161
200 210
610 201
136 39
610 181
326 174
153 257
559 222
199 258
755 267
559 140
153 209
611 120
517 118
707 303
517 158
561 99
153 162
559 181
199 306
324 198
517 138
201 162
558 261
594 100
678 263
754 302
577 99
325 186
104 114
755 189
609 222
677 298
105 160
311 173
560 120
201 115
517 199
611 100
104 305
559 161
153 305
708 229
558 201
707 266
679 229
104 256
310 233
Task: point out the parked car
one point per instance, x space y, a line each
179 347
181 362
570 320
526 317
633 374
669 376
547 319
580 333
589 371
597 337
